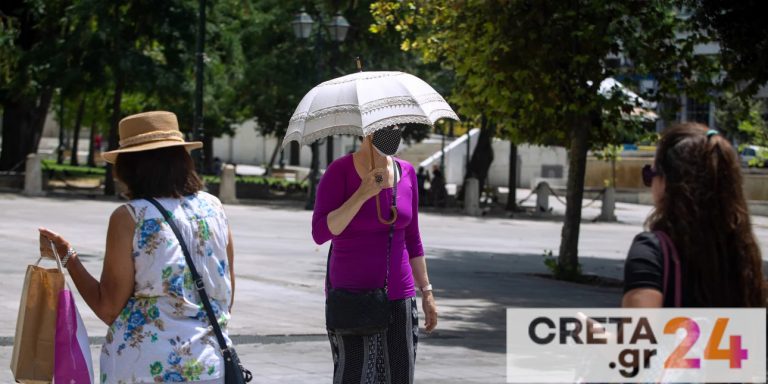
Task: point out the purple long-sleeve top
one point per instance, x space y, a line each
358 259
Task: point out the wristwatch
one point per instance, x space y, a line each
70 252
426 288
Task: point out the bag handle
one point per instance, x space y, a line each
398 170
198 281
669 250
55 256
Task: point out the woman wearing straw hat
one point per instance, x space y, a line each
157 329
372 249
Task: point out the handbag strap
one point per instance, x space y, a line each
328 287
198 281
669 251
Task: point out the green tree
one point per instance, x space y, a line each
33 54
741 119
739 27
535 67
144 49
282 69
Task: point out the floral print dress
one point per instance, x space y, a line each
163 335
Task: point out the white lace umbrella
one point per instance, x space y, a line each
364 102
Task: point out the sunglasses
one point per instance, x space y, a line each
649 172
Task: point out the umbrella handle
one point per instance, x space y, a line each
381 219
378 201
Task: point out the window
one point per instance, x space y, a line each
697 111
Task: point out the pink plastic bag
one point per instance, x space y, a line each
72 355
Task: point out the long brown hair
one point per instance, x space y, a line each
704 211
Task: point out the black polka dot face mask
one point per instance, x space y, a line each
387 140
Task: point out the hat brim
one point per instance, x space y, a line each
111 156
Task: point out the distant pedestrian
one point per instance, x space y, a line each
422 178
158 331
217 164
702 220
362 242
97 142
437 188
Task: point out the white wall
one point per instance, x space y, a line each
248 146
531 159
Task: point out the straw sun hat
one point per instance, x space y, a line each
147 131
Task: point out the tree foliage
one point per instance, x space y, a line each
739 27
742 119
535 68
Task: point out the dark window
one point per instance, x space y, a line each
698 111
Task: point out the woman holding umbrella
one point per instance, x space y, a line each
376 262
347 212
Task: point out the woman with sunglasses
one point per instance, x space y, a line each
700 217
354 209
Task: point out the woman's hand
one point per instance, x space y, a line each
62 245
430 310
374 182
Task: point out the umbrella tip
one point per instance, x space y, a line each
359 64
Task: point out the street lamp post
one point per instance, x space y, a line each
337 29
197 130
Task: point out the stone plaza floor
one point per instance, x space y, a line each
478 266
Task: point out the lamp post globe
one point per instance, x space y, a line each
338 28
302 25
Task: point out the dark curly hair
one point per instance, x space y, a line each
164 172
704 211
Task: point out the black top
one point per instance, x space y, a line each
644 268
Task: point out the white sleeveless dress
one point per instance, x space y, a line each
162 334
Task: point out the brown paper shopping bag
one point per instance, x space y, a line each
33 346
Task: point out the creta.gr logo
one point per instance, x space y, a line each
636 345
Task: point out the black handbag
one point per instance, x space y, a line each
234 372
360 313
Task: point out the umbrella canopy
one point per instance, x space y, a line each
643 109
364 102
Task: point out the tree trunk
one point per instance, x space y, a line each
23 122
41 113
207 153
295 158
91 146
313 177
568 259
62 144
512 184
272 159
482 157
76 136
329 155
109 182
17 126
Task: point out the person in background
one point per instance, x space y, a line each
422 177
438 191
97 142
217 164
699 205
158 331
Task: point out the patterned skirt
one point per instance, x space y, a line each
384 358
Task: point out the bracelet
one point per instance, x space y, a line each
70 252
426 288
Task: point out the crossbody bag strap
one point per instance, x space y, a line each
392 226
669 251
196 279
328 287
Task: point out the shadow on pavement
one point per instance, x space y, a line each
474 289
